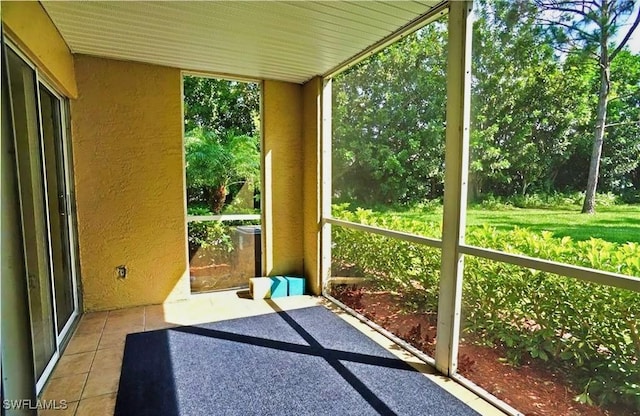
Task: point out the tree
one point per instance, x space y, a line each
531 121
221 106
215 161
591 26
526 103
221 128
388 118
621 151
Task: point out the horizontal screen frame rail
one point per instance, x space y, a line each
400 235
577 272
224 217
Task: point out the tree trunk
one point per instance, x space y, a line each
474 187
525 187
218 197
589 206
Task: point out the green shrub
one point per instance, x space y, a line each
212 236
199 209
630 196
588 330
551 200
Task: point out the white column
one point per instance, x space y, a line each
327 135
455 182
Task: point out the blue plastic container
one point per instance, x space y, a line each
279 287
296 285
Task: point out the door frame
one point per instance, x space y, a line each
64 117
60 336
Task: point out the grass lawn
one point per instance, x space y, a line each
619 223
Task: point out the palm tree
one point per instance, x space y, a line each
216 161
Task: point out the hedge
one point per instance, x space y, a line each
590 331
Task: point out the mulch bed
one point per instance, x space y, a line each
532 387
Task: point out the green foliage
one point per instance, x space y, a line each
630 196
555 213
542 200
531 120
221 106
215 161
222 141
523 121
588 331
621 159
214 237
395 265
596 32
388 122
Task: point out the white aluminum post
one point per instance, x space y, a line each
326 178
455 181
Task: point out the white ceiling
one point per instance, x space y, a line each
288 41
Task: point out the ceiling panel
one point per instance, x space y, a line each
289 41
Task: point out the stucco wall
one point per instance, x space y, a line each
283 167
127 149
29 26
311 185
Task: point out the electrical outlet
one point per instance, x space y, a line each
122 271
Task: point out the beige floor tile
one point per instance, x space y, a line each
200 316
293 302
90 326
67 388
157 318
95 316
153 310
177 317
136 312
112 339
108 359
156 325
181 315
97 406
132 323
101 382
155 313
73 364
126 315
82 343
70 410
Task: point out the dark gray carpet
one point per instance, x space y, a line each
300 362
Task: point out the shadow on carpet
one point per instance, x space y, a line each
300 362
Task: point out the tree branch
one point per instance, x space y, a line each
586 35
559 6
626 37
622 97
573 6
573 48
622 123
616 14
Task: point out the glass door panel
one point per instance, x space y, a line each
22 79
50 111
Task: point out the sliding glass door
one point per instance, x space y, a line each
44 189
34 225
50 111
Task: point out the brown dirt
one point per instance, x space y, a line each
533 388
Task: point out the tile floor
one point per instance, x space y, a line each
88 373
